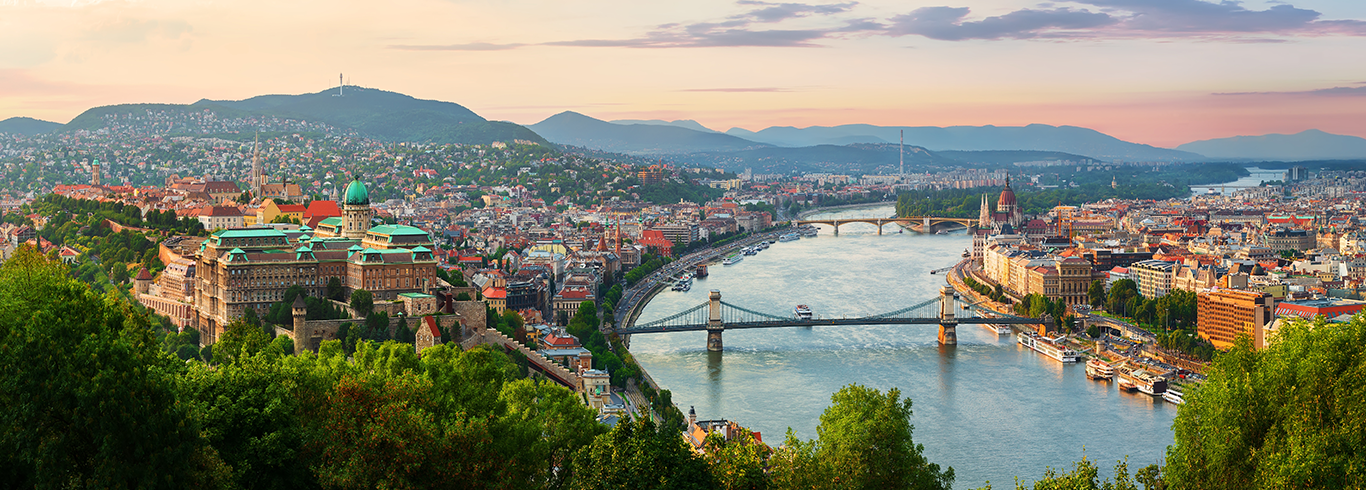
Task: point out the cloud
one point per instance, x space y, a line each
946 23
1358 91
456 47
740 29
1120 19
738 89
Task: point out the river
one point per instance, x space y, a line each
1255 178
991 409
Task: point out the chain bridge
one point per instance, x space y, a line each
715 316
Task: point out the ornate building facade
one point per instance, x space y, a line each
251 268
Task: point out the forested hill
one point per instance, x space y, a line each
27 126
374 113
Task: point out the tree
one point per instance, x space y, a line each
363 302
90 398
1287 416
636 455
1096 293
865 436
737 464
335 289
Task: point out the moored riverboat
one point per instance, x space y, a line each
1054 348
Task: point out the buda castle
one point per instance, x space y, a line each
250 268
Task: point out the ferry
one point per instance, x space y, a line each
1173 396
941 232
1144 381
1098 370
1053 348
1127 385
749 251
803 312
790 237
732 260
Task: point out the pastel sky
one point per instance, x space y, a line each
1162 72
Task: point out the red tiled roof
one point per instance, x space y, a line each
291 208
495 293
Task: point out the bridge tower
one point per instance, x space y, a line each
714 325
948 325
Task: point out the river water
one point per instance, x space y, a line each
1256 176
990 408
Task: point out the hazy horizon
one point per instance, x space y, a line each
1158 73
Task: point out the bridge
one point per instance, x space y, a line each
716 316
926 222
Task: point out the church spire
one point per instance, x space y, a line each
256 166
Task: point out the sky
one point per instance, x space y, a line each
1160 72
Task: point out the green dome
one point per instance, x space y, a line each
356 193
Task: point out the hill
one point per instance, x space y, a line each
378 114
682 123
27 126
855 159
1034 137
1007 157
1306 145
572 128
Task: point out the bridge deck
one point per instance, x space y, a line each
831 322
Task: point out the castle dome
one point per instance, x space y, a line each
356 193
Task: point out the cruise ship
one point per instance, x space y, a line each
1098 370
803 312
732 260
790 237
1053 348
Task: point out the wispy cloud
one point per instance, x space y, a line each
738 89
1358 91
770 24
1226 20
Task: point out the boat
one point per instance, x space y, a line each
790 237
1098 369
732 260
999 329
1053 347
966 254
1146 382
803 312
1173 396
941 232
1127 385
749 251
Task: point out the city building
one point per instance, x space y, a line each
1154 277
1225 314
250 268
1328 308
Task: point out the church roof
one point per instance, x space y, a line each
356 193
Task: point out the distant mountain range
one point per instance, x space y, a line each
681 123
1035 137
572 128
374 113
27 126
1306 145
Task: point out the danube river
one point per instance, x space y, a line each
988 407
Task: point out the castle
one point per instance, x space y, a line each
250 268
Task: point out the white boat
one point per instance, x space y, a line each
941 232
999 329
1098 369
1053 348
790 237
1173 396
732 260
803 312
1144 381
